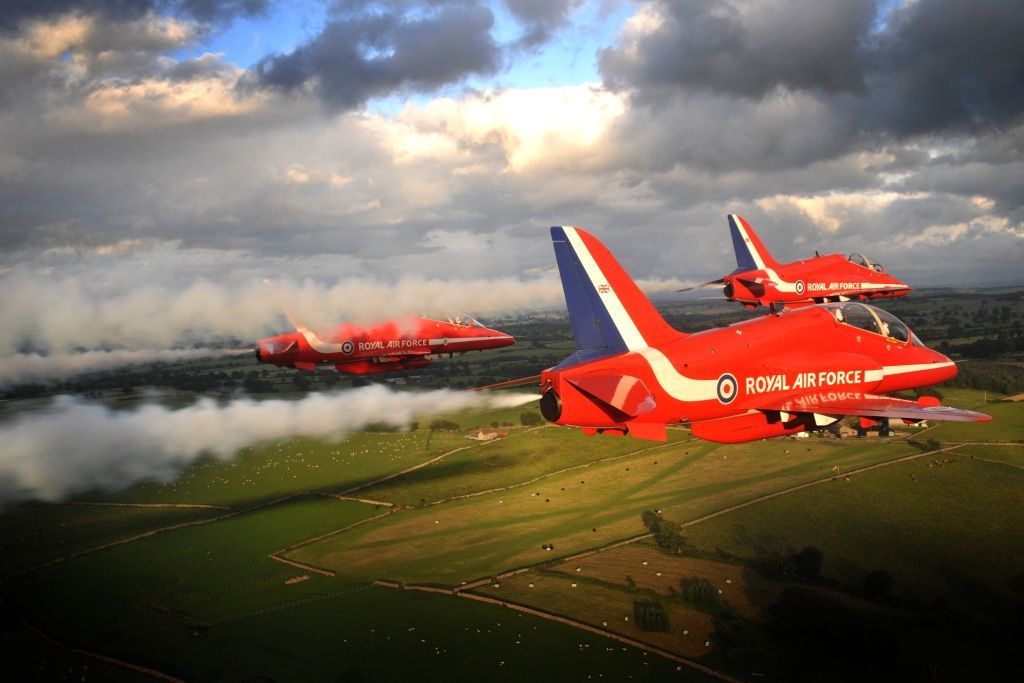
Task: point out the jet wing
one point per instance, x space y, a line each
872 405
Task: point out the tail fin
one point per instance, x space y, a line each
608 312
750 252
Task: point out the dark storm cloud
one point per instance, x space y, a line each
17 11
540 17
746 48
921 68
943 64
359 56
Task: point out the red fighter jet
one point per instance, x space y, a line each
387 347
804 369
760 280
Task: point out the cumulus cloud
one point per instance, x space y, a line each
74 446
360 54
16 12
517 122
118 147
915 68
742 47
540 18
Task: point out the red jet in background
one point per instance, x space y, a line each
775 375
387 347
760 280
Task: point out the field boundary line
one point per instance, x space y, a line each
294 603
199 506
138 668
368 484
365 501
991 462
474 494
153 532
295 546
301 565
704 518
816 482
580 625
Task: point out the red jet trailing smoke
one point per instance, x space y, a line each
776 375
760 280
387 347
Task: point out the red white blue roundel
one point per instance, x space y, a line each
347 347
800 287
727 388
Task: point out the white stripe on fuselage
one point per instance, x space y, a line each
317 344
781 284
919 367
465 340
677 385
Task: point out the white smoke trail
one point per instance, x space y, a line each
75 446
22 368
64 315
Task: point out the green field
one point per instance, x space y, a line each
944 526
580 509
522 456
32 535
206 602
278 469
1005 425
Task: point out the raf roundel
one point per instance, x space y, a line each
800 287
727 388
347 347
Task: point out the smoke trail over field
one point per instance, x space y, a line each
68 315
75 446
33 367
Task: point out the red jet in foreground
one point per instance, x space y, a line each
776 375
760 280
387 347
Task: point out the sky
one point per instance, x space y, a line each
160 158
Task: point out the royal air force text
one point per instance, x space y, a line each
765 384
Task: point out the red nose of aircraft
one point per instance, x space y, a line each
497 338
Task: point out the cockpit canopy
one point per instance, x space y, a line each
865 262
464 321
874 320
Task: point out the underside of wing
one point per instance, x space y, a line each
368 366
872 405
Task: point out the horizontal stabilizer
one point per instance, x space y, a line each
872 405
624 393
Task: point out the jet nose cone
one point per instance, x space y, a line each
947 366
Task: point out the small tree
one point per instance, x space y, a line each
700 592
808 562
878 584
530 419
651 520
670 536
649 615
